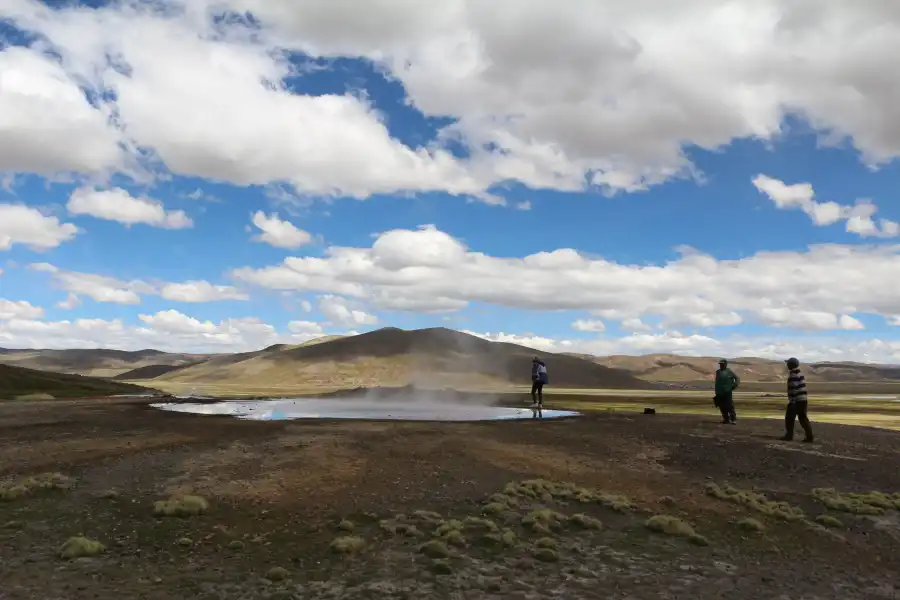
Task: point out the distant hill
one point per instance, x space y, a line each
394 357
16 382
674 368
94 362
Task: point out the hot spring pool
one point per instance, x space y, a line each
316 408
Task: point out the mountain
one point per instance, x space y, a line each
94 362
674 368
394 357
18 382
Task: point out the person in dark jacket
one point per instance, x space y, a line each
798 402
538 380
726 383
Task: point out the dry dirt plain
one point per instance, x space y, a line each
280 493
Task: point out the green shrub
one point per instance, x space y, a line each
829 521
181 506
346 525
435 549
441 567
185 542
78 547
348 544
546 554
750 525
755 501
585 522
277 574
546 542
669 525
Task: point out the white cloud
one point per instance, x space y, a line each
339 313
804 319
306 305
200 291
428 270
552 95
47 125
28 226
800 195
19 309
634 324
103 288
167 330
71 301
524 205
594 326
278 233
118 205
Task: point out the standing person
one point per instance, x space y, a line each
726 383
538 380
798 402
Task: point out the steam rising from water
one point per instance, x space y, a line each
359 408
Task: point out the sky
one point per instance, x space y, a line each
706 177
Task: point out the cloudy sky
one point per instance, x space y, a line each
714 177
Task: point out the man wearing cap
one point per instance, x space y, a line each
538 381
798 402
726 383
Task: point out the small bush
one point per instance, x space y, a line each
479 523
346 525
669 525
750 525
109 495
546 542
698 540
277 574
32 485
586 522
181 506
829 521
427 515
441 567
14 525
185 542
348 544
13 492
543 520
448 526
454 538
78 547
867 504
435 549
546 554
494 508
755 501
236 545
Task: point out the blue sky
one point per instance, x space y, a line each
477 188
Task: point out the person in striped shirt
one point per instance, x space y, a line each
798 402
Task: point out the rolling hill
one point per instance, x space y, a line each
95 362
17 382
674 368
394 357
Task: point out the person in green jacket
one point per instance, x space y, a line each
726 383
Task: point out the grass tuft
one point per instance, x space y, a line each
346 525
829 521
441 567
546 554
435 549
185 542
428 516
756 502
494 508
546 542
866 504
35 484
543 520
181 506
585 522
669 525
347 544
236 545
749 524
394 527
480 524
277 574
78 547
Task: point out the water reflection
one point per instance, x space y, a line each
317 408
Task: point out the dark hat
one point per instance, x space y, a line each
723 361
792 363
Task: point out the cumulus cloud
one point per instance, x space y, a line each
430 270
118 205
801 195
28 226
19 309
562 96
200 291
340 314
103 288
278 233
591 325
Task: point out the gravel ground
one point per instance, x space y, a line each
278 493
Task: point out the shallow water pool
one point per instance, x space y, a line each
317 408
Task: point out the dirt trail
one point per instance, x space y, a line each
279 490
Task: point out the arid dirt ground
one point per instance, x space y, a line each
279 491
